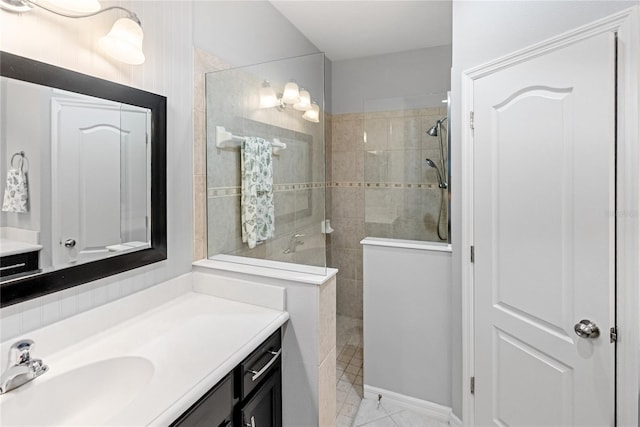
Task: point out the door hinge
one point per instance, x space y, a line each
472 253
471 120
472 385
613 334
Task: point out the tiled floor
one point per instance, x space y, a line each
370 414
348 369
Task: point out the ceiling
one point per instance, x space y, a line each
354 29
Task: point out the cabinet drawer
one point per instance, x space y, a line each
264 407
214 409
258 365
18 263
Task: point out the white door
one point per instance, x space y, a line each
86 186
544 197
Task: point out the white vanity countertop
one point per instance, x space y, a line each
13 247
191 342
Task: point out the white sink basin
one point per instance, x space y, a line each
88 395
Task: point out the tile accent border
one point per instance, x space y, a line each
383 185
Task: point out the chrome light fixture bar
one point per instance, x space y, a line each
123 42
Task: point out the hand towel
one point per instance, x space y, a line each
257 209
16 194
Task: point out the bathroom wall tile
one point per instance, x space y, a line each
404 133
376 165
327 320
345 261
348 166
327 390
349 232
199 216
348 202
347 135
377 133
223 233
199 142
345 293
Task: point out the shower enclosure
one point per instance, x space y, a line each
406 168
256 102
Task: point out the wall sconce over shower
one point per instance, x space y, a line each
292 95
123 42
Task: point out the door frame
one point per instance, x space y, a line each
627 24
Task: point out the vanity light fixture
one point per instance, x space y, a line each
123 42
292 95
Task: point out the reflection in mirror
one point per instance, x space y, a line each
83 182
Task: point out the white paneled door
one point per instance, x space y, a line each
544 237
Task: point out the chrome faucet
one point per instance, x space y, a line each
293 243
22 368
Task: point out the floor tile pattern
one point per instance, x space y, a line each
348 369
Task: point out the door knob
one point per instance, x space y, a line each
69 243
586 329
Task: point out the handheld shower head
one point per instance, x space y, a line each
441 182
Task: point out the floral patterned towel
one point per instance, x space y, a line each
16 194
257 207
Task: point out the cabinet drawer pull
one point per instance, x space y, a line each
258 374
252 423
22 264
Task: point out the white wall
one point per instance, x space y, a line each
246 32
398 75
229 30
168 71
406 326
482 31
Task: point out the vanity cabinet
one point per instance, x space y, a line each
248 396
19 263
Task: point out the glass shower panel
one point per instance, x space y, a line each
235 103
406 168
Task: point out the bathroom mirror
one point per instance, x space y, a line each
93 155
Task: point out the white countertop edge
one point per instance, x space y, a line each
407 244
208 382
13 247
264 271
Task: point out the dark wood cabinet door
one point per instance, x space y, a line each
264 408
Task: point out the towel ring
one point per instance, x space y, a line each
21 155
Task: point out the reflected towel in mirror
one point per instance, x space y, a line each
257 208
16 193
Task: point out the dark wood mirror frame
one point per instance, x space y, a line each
28 70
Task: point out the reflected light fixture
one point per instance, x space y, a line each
268 97
305 101
313 114
291 93
123 42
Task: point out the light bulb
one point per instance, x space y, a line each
268 97
312 115
305 101
291 93
124 42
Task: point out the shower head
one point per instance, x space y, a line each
433 131
441 182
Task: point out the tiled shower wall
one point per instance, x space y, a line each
380 186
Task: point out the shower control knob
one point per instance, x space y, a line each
586 329
69 243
